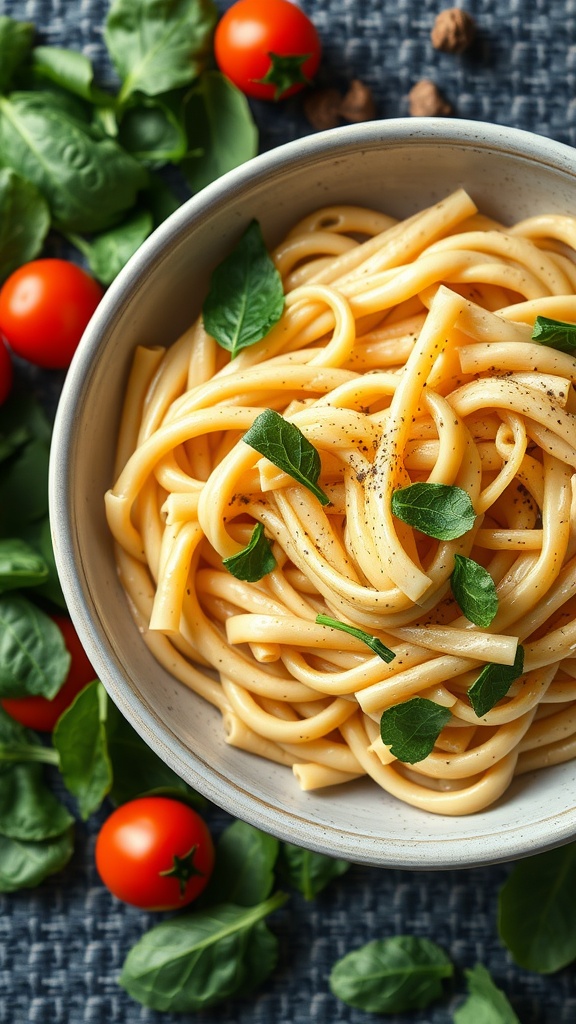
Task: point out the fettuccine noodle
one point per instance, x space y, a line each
404 354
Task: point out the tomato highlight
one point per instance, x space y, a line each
155 853
269 49
45 306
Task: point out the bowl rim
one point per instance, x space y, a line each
429 852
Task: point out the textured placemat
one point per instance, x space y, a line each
62 945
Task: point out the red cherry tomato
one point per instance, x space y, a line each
155 853
268 48
6 373
39 712
44 308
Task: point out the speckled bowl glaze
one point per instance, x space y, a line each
399 166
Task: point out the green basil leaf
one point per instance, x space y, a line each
33 655
244 866
153 132
136 769
255 560
283 444
493 683
486 1003
29 811
22 418
159 45
372 642
245 298
70 70
307 871
555 333
106 253
39 537
391 975
438 510
24 223
16 41
200 959
160 198
411 729
88 181
537 910
474 590
80 739
220 127
24 865
24 487
20 565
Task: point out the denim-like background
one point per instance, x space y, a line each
62 945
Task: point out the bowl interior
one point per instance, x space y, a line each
396 166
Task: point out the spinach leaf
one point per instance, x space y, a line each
33 655
153 132
307 871
286 447
474 590
537 910
411 729
80 739
20 565
200 959
106 253
438 510
24 223
244 867
24 487
38 535
88 181
70 70
16 41
29 811
494 682
555 333
245 298
24 865
254 561
159 45
391 975
21 419
486 1003
222 129
372 642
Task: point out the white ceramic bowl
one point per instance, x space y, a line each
397 165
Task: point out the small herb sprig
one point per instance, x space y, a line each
373 642
474 590
442 511
411 728
254 561
284 444
555 334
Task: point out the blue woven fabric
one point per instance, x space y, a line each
63 944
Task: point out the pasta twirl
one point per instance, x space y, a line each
404 355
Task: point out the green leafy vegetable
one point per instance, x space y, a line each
474 590
307 871
107 252
372 642
33 655
255 560
29 811
24 222
286 447
494 682
16 41
221 123
20 565
411 729
486 1003
80 739
24 865
245 298
537 910
153 132
159 45
438 510
198 960
244 866
68 69
555 334
391 975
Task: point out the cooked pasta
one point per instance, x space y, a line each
404 355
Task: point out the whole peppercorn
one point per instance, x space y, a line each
426 100
454 30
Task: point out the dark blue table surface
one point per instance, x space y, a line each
62 945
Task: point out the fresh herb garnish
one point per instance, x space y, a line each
411 729
555 333
494 682
372 642
307 871
286 447
474 590
391 975
486 1004
254 561
24 222
442 511
245 298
